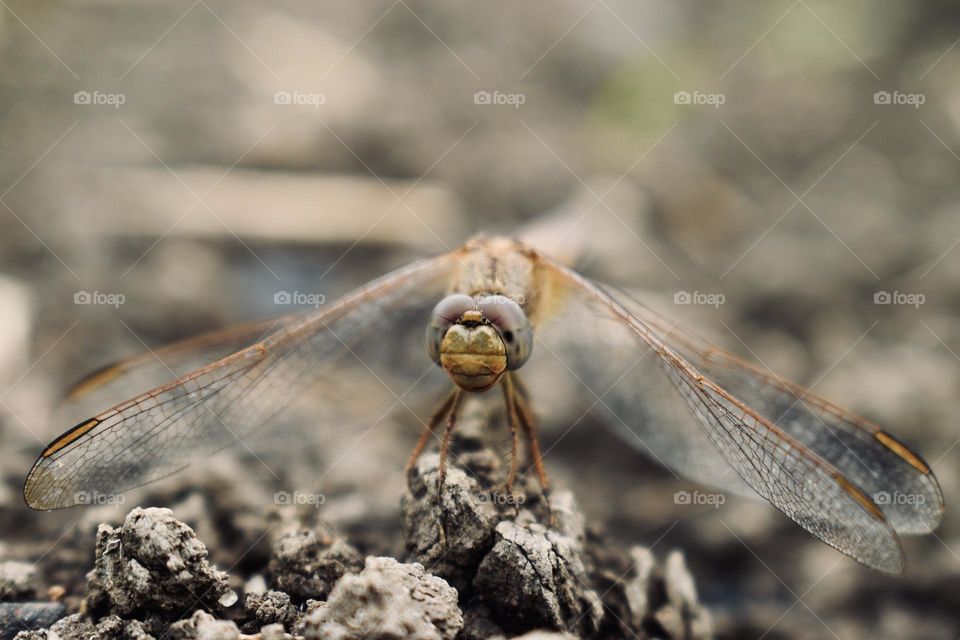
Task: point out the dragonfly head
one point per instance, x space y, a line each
476 340
474 356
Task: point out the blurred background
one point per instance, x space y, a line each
783 177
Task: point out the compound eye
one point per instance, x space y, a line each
447 312
511 323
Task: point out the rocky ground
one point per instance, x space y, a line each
479 563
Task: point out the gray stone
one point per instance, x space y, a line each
478 623
74 627
468 522
16 580
682 616
643 595
203 626
152 563
271 607
114 628
533 578
387 601
25 617
306 565
274 632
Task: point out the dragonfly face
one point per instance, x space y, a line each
473 355
476 339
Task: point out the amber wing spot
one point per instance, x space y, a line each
69 437
860 497
901 450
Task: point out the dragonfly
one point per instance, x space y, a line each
492 309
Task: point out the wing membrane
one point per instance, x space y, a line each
154 367
887 470
627 391
797 480
167 428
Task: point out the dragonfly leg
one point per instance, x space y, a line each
509 395
456 401
428 431
528 423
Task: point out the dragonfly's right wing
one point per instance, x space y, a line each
124 378
367 334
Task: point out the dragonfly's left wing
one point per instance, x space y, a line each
893 475
367 334
820 486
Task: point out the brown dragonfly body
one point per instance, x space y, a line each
697 409
488 317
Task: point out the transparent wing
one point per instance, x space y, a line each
370 339
796 479
580 343
124 378
896 478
